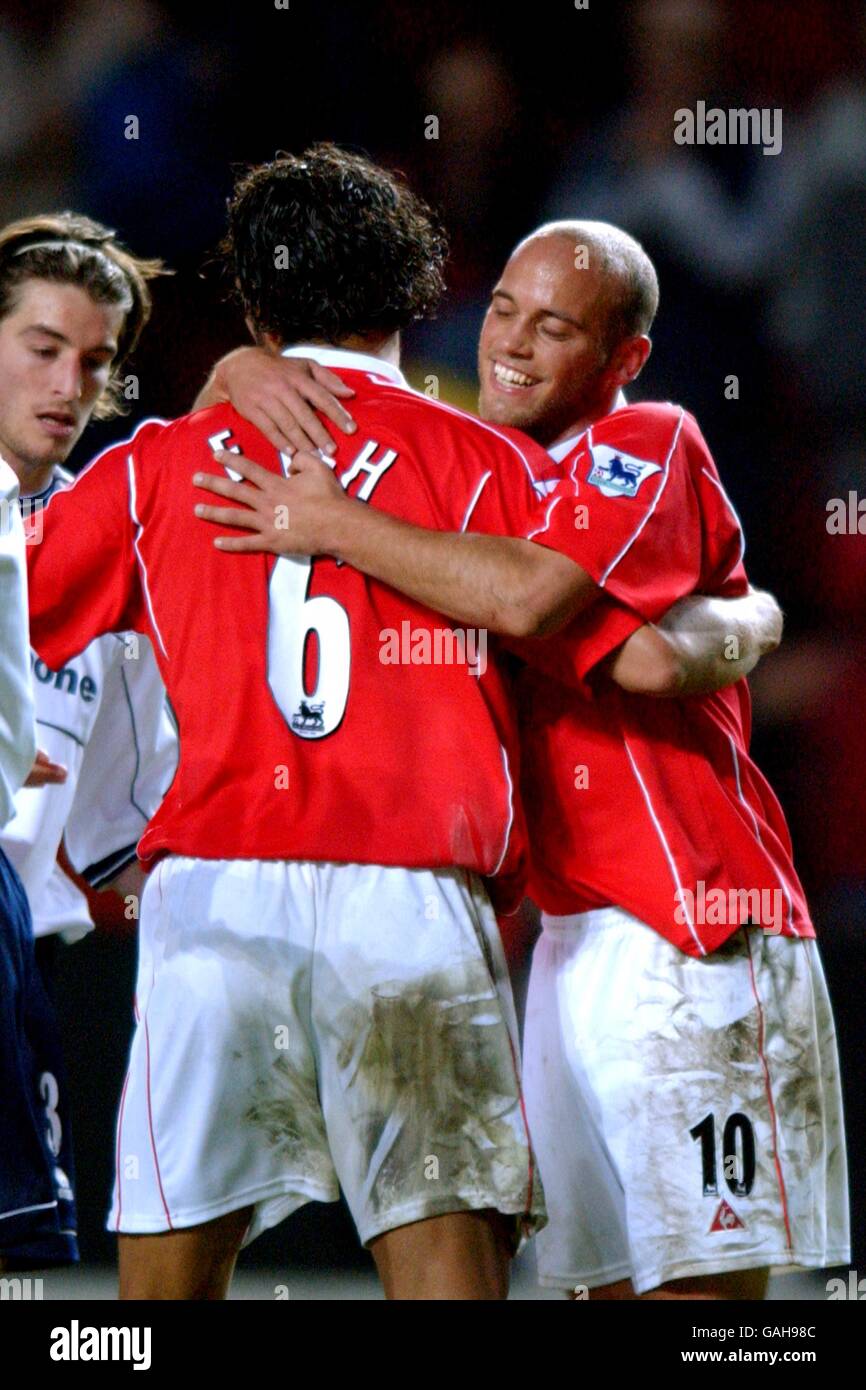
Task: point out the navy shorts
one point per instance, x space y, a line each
37 1204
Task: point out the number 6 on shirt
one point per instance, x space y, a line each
293 616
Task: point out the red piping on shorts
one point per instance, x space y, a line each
117 1153
776 1161
150 1127
530 1176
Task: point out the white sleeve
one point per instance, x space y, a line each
128 764
17 728
32 838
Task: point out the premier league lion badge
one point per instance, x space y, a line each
617 474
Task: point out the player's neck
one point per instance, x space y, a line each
388 348
32 478
582 423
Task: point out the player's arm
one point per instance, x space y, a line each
506 585
701 645
280 396
510 586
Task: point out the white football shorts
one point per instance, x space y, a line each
302 1027
686 1113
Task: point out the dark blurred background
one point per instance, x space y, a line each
544 110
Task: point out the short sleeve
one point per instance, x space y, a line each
83 575
628 511
128 764
571 655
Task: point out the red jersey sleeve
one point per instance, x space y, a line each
629 510
572 654
82 576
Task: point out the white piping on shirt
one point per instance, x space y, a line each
629 543
130 471
666 847
474 502
785 889
731 508
510 825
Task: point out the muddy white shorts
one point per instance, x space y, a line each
686 1113
306 1025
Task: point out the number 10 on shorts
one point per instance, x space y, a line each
738 1153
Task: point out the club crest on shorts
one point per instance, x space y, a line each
617 474
726 1219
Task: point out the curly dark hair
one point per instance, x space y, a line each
70 249
326 244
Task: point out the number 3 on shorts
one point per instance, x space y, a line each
50 1093
293 616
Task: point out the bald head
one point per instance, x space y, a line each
629 287
566 329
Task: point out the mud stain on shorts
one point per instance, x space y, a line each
285 1110
428 1072
699 1060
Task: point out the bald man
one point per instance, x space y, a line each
680 1057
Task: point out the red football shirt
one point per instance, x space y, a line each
322 716
652 805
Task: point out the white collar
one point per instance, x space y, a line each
342 357
561 451
60 478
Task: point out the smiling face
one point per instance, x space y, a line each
542 364
56 350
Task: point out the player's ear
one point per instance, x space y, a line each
629 358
